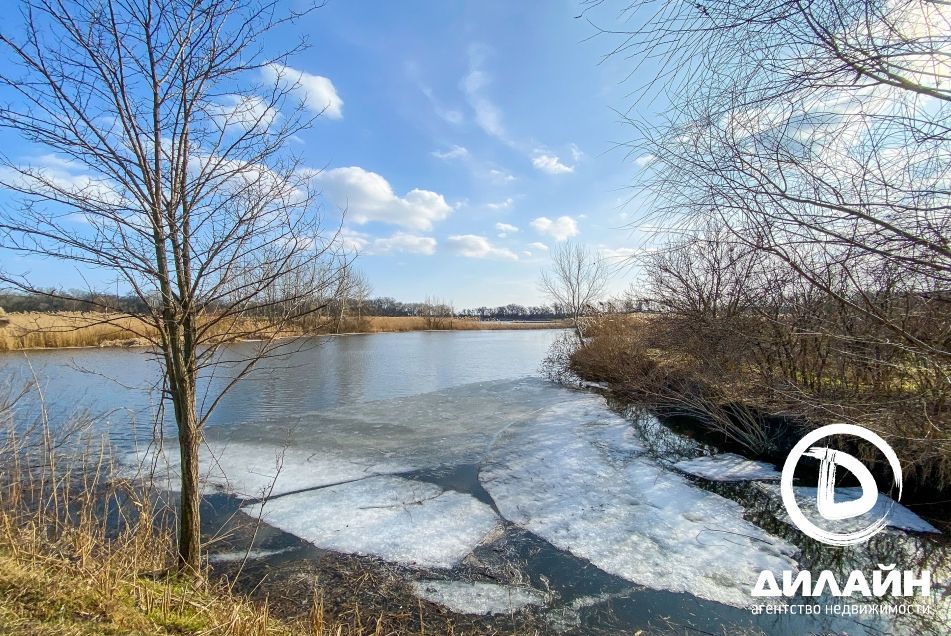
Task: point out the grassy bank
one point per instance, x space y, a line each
35 330
739 385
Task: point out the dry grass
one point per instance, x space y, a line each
711 371
378 324
35 330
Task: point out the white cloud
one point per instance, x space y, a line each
551 164
561 229
474 246
317 93
447 114
500 176
456 152
619 253
487 115
540 247
644 160
576 153
353 241
504 229
402 242
245 111
56 177
367 196
501 205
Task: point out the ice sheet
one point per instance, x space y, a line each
253 471
397 519
900 517
727 467
627 515
466 597
448 427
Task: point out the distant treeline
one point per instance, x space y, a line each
73 300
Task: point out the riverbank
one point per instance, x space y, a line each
716 394
62 330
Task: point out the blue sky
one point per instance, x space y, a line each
465 138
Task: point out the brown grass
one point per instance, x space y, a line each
378 324
669 362
34 330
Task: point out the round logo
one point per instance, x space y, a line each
826 504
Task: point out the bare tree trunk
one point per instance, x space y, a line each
189 522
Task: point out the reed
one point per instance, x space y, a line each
36 330
85 551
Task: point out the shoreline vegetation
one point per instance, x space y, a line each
716 385
24 331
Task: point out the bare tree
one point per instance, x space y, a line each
576 280
812 130
168 128
360 292
437 312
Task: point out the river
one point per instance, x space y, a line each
488 488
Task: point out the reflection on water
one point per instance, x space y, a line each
122 386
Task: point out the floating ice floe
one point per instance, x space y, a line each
254 471
397 519
629 516
727 467
899 516
465 597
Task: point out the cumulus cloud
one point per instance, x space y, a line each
317 93
538 247
367 196
501 205
245 111
353 241
560 229
474 246
402 242
456 152
506 227
550 163
56 177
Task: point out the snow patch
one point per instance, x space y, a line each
628 515
465 597
727 467
398 519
